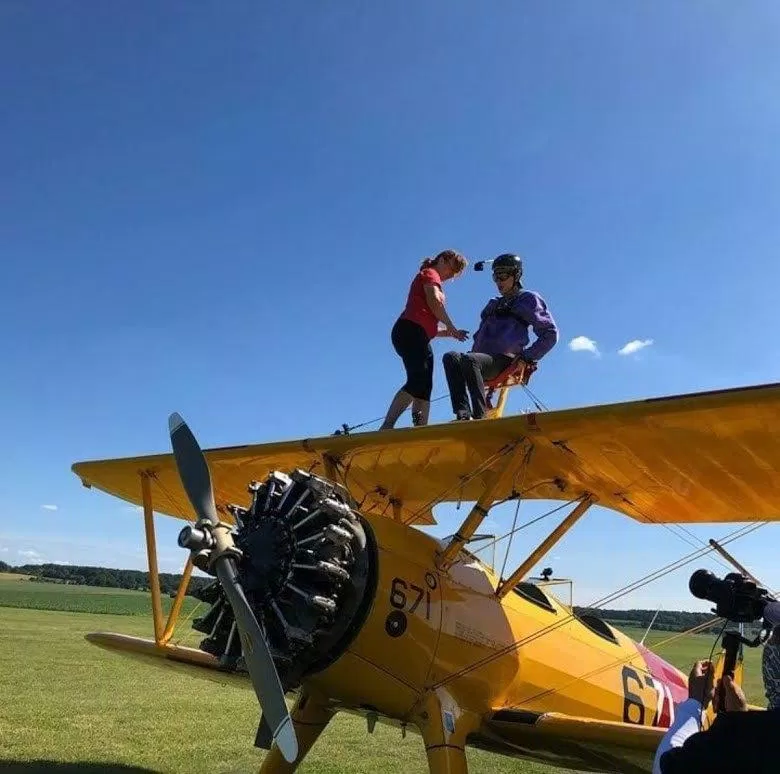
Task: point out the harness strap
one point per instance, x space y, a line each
500 308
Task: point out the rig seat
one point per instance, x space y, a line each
517 372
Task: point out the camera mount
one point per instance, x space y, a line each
731 642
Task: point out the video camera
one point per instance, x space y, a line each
741 600
736 597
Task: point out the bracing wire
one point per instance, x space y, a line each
563 621
617 662
679 635
538 403
509 544
696 538
649 578
530 523
346 428
525 463
483 466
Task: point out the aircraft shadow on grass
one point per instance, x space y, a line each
80 767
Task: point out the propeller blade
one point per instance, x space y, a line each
196 479
259 662
193 470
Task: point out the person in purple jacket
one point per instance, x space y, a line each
501 337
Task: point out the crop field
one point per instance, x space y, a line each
80 599
10 576
68 706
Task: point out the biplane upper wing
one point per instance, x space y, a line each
705 457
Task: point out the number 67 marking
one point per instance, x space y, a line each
398 598
664 704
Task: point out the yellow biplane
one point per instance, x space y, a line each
325 589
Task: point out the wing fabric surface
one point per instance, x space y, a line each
523 725
581 743
707 457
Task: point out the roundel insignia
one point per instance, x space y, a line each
430 579
395 623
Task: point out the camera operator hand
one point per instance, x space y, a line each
734 697
701 684
701 687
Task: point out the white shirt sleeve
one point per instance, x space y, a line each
686 723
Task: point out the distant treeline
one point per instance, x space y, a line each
101 576
667 620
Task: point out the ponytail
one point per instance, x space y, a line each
460 263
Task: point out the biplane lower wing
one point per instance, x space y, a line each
706 457
191 661
583 744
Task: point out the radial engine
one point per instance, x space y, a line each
308 569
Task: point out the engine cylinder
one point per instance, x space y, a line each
308 569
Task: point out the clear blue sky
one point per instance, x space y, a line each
219 211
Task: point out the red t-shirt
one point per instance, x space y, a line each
417 308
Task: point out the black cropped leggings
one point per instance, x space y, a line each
413 346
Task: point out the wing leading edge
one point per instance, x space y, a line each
704 457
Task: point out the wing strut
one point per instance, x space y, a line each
505 587
151 555
477 514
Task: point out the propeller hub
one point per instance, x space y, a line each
195 539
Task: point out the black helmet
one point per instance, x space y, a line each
509 262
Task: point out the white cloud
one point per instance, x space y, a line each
583 344
634 346
49 507
30 554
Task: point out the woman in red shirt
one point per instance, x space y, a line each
413 331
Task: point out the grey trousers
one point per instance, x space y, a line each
466 372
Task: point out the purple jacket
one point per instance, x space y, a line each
505 323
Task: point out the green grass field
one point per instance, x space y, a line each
80 599
65 701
